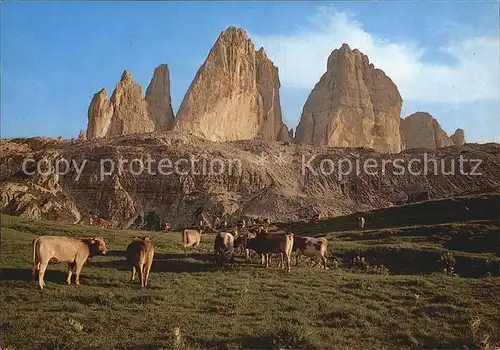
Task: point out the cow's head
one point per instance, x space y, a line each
261 230
240 241
97 246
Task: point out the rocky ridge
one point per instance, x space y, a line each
421 130
128 111
279 181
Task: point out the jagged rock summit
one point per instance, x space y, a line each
353 105
234 95
130 114
158 99
458 137
421 130
99 115
128 111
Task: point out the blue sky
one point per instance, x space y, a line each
444 56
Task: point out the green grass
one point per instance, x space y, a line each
251 307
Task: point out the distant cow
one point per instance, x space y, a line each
98 222
310 247
167 227
224 248
139 254
191 237
314 218
71 250
361 222
240 242
266 243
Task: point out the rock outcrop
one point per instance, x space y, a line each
99 115
82 135
158 99
421 130
458 137
353 105
128 111
235 94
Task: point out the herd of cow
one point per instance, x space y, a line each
75 251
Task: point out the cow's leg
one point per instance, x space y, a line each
70 272
323 260
33 270
288 260
297 258
148 268
78 270
133 273
141 275
41 274
280 261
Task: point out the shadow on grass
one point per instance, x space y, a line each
18 274
193 262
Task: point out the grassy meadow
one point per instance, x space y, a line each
385 288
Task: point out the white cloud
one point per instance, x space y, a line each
301 58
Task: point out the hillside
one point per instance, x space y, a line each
395 295
281 181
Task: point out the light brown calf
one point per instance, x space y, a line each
71 250
191 237
139 254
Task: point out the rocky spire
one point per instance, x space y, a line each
235 94
158 99
354 104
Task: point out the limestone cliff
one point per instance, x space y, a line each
353 105
267 180
421 130
235 94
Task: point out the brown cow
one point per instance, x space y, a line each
74 251
191 237
140 254
266 243
240 242
310 247
224 248
98 222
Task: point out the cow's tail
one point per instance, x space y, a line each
36 262
184 238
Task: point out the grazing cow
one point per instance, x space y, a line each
240 242
361 222
224 248
71 250
167 227
139 255
310 247
314 218
266 243
191 237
